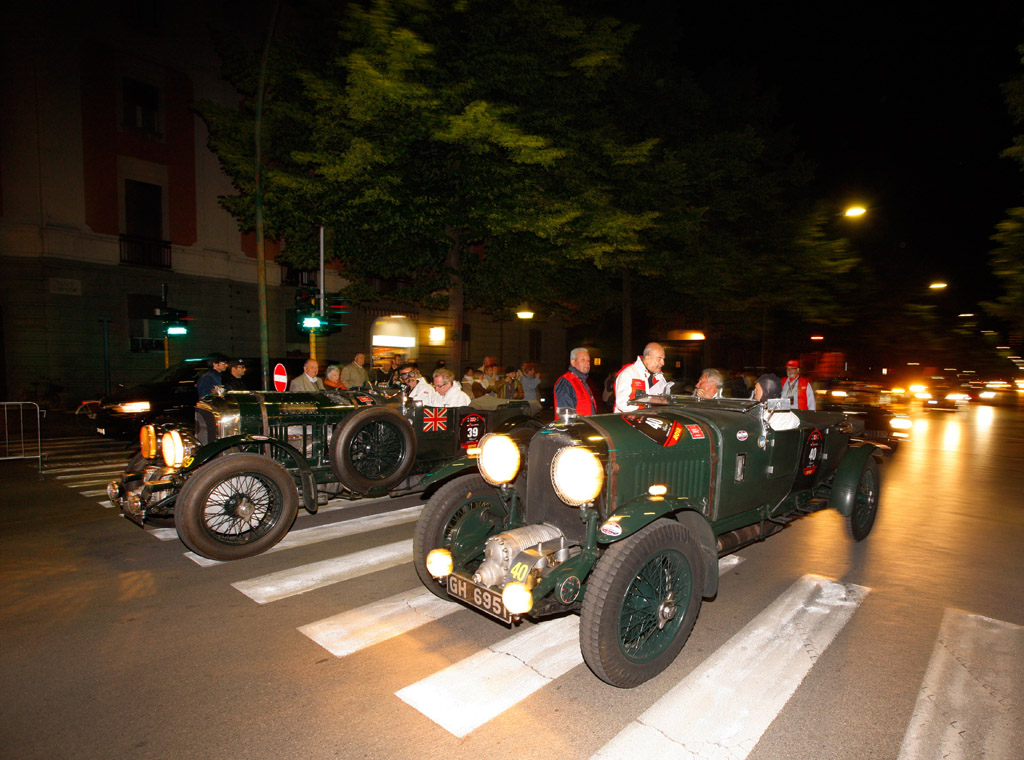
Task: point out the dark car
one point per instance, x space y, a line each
866 402
169 396
622 518
234 480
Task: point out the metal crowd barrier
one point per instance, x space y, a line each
21 424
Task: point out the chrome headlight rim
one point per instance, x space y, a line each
175 446
499 459
577 475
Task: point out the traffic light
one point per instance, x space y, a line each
175 321
309 319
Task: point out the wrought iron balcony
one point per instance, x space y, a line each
146 252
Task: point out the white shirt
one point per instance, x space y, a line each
454 396
421 391
791 390
624 385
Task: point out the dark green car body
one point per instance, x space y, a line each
685 482
289 449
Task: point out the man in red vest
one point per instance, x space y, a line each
797 389
571 389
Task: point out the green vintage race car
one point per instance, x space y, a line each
234 481
622 517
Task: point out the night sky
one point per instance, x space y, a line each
900 107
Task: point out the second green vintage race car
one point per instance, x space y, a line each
235 480
622 518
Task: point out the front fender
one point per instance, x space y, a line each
844 487
642 511
447 470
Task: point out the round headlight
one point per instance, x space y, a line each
148 441
577 475
499 459
517 598
172 448
901 423
439 563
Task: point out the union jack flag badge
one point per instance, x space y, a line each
435 419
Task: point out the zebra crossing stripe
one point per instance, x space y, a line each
163 534
469 693
970 700
317 533
350 631
299 580
750 678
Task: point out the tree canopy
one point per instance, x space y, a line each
505 150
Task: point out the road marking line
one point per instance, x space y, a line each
971 695
318 533
164 534
721 709
86 475
350 631
111 467
97 492
469 693
106 504
299 580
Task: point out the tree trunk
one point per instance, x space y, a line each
627 318
454 261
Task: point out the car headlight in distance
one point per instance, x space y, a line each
901 423
148 441
132 407
577 475
499 459
172 448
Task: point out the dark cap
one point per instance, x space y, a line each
510 369
236 363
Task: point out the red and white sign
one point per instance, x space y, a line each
280 378
695 431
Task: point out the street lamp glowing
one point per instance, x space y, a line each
855 211
937 286
817 337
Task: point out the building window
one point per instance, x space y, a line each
302 278
141 106
145 331
143 242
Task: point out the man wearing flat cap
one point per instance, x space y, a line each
797 389
232 380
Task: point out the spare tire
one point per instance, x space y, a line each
372 448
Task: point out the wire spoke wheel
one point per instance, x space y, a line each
376 450
865 502
641 603
650 616
236 506
372 449
460 517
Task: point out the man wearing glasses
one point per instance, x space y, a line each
417 388
446 391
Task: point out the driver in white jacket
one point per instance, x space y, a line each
641 378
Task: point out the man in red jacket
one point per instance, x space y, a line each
797 389
571 389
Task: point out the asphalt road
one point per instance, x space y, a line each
116 643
